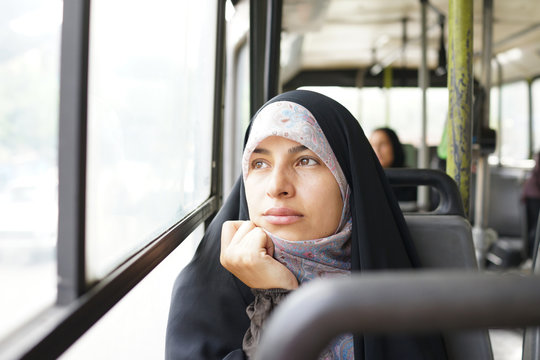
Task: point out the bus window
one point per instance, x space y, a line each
150 107
514 131
29 92
405 110
126 332
397 108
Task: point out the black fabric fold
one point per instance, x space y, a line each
207 316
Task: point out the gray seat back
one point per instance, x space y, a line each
445 242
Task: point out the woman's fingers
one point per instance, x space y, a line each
228 230
235 233
242 231
246 251
232 233
269 246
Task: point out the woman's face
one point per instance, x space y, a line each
383 148
291 192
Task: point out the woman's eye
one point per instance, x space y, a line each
307 162
258 164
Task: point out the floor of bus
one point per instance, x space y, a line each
506 343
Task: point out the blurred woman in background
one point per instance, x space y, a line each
389 151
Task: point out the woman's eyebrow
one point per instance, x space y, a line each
297 149
261 151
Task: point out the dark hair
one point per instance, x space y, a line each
399 154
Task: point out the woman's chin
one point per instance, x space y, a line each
286 233
290 232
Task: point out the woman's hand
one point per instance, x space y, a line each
246 251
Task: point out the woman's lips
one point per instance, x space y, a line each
281 216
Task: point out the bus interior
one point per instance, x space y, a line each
121 133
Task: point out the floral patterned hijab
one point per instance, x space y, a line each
310 258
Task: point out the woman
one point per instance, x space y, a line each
530 196
360 221
387 147
389 151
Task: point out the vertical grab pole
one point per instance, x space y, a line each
460 27
482 238
532 145
423 81
499 109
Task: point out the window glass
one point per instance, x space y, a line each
354 100
405 114
536 114
372 108
150 113
494 108
437 113
398 108
513 135
29 92
130 330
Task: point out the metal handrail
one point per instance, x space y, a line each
405 302
450 198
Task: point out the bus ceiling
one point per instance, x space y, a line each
340 39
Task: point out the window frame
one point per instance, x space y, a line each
80 305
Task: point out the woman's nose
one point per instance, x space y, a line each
280 183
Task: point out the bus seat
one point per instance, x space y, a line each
504 215
449 197
530 218
445 241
